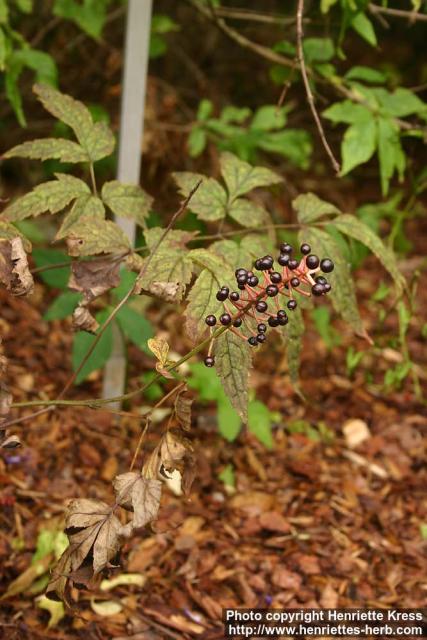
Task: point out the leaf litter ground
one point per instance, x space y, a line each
334 515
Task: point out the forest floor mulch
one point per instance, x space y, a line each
318 521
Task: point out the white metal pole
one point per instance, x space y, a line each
130 145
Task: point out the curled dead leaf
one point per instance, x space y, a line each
169 291
94 277
168 456
14 270
183 410
160 348
83 320
140 495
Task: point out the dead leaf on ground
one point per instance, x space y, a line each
14 270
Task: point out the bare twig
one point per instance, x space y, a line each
252 16
310 98
411 16
244 42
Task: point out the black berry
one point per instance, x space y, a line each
237 322
273 321
262 328
295 282
209 361
241 287
285 248
253 341
281 314
234 296
257 264
253 281
261 306
222 295
261 337
318 289
327 287
292 304
210 321
240 272
283 321
321 280
272 290
327 265
312 262
275 277
225 319
242 278
305 249
283 259
293 264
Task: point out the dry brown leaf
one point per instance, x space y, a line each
140 495
10 442
169 291
355 432
94 277
14 270
160 348
83 320
92 529
169 455
183 410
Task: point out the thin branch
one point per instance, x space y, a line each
252 16
310 98
244 42
93 179
411 16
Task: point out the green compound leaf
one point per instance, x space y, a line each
90 236
210 200
202 297
292 336
247 213
50 197
240 177
390 152
347 111
127 200
170 263
201 302
82 343
343 295
232 362
63 306
136 328
364 27
87 205
49 148
9 231
310 208
355 228
95 138
359 143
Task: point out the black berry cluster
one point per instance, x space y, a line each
249 305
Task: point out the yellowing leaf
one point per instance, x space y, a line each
49 148
92 236
87 206
95 138
240 177
183 410
127 200
310 208
210 200
247 213
160 348
106 608
56 610
355 228
50 197
232 362
136 579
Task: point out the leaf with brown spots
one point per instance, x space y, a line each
14 271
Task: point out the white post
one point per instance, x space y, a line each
130 144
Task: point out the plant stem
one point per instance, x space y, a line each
93 179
